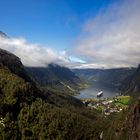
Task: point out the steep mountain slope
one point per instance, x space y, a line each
127 125
27 113
135 122
132 83
131 86
13 63
57 77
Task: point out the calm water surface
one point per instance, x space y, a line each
92 91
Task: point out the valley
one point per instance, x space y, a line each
40 103
70 70
92 90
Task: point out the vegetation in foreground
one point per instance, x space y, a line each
27 112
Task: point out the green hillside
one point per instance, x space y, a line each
56 77
28 112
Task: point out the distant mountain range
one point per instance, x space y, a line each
112 78
36 103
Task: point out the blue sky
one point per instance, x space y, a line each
74 33
49 22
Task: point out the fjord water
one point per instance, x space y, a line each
92 91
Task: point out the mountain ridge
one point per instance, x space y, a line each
56 76
26 114
134 82
111 78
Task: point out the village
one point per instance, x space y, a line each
108 105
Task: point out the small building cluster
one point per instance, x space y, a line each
107 106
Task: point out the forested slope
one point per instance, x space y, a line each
27 113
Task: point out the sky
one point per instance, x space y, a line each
73 33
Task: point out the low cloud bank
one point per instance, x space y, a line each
112 38
33 54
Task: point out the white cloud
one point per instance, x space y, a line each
112 38
33 54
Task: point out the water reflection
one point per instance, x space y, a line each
92 91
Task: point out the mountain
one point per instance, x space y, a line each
13 63
131 86
27 112
106 77
132 83
56 77
36 103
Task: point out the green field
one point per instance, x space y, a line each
123 100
